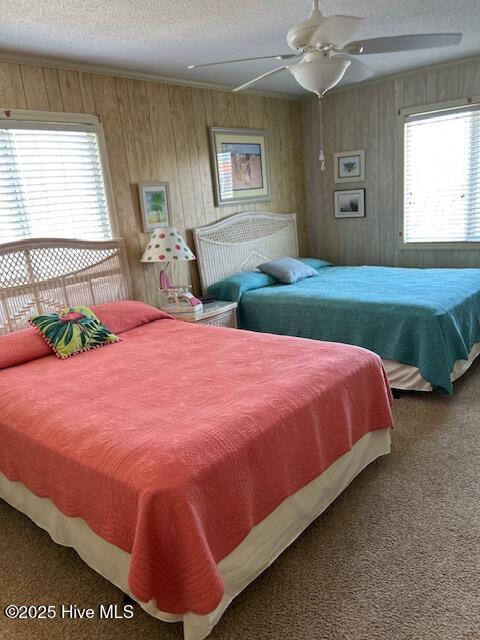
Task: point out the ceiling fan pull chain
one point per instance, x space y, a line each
321 156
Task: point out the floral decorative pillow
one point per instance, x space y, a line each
72 330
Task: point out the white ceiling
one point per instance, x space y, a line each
162 37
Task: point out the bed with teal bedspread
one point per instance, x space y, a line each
427 318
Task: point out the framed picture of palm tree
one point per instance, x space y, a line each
155 205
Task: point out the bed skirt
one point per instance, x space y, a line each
256 552
408 378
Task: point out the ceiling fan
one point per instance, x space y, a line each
323 52
322 44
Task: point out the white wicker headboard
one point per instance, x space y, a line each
38 276
243 241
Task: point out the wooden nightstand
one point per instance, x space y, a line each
218 313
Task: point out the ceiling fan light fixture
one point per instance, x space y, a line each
319 74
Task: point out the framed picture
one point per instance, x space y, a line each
349 204
155 206
240 166
350 166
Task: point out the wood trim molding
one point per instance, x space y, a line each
72 65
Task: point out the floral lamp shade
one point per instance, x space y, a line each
167 245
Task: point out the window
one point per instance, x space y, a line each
52 179
442 175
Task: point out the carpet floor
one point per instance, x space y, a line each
396 557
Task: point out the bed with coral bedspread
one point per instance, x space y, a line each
174 445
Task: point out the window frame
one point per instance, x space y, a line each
57 119
403 114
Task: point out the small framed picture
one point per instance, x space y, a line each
240 166
155 206
350 166
349 204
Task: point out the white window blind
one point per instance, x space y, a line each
51 182
442 176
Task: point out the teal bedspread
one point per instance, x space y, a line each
428 318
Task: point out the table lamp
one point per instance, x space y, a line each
167 245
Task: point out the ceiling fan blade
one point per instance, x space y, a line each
336 30
358 71
258 78
403 43
280 56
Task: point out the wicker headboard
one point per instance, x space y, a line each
243 241
38 276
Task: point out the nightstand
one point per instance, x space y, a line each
218 313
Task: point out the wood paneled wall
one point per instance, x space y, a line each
159 132
366 118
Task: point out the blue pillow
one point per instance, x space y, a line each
231 289
316 263
288 270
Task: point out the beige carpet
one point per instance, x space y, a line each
396 557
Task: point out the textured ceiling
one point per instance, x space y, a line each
162 37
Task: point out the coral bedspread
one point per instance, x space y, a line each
173 443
